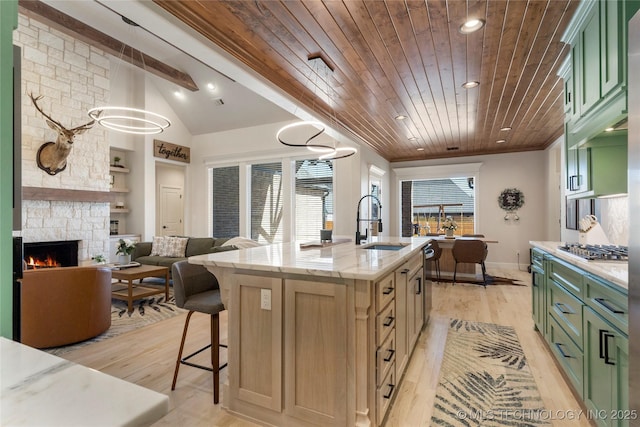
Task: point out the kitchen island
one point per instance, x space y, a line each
320 335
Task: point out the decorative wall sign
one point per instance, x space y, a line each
169 151
511 199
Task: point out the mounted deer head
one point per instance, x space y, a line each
52 156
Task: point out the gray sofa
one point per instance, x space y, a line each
195 246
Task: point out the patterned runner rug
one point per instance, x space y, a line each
145 312
485 380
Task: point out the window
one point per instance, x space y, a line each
225 191
426 203
314 198
266 202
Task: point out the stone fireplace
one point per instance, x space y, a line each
72 77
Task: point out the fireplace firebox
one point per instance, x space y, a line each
62 253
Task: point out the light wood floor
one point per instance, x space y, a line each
147 357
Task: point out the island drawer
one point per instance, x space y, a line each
385 323
384 394
385 358
567 310
385 291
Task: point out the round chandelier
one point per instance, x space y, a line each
130 120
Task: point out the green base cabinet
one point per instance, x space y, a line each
606 371
584 320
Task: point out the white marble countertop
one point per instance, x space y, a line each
39 389
616 272
345 260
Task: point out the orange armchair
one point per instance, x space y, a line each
65 305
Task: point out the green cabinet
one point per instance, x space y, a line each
538 290
584 320
598 167
606 369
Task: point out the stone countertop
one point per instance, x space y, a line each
39 389
343 260
616 272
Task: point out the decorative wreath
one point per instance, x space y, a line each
511 199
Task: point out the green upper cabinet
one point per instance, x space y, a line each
595 82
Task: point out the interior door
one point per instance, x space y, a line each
171 211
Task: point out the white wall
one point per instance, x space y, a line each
525 171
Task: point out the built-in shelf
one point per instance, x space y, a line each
119 190
118 169
119 211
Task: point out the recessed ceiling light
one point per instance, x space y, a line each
413 138
471 25
420 149
211 86
501 141
178 94
505 129
609 129
471 84
401 117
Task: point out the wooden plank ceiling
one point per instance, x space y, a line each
405 57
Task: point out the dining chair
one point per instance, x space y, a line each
472 252
197 290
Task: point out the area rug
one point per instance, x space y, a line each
146 311
485 379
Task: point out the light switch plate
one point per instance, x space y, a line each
265 299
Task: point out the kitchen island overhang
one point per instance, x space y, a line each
314 334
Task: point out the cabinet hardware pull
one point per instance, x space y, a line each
391 387
405 271
419 279
389 355
601 333
387 291
389 321
572 179
559 347
564 310
603 302
606 348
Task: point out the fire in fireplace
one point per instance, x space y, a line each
51 254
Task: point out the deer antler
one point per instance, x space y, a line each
85 126
35 103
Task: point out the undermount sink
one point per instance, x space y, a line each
385 246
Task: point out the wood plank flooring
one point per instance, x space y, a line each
147 357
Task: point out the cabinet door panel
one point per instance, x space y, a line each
315 351
612 26
590 62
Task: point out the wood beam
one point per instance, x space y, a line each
71 26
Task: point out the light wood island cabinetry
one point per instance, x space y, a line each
319 336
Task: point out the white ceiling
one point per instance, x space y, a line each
197 110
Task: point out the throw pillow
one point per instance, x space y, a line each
175 247
241 243
157 246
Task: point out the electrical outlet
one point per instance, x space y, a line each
265 299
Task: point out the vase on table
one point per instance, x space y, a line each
449 233
124 259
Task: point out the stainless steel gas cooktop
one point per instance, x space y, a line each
597 252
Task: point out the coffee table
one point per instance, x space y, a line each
131 291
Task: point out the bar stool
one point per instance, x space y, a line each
197 290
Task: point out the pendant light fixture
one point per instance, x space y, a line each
128 119
311 134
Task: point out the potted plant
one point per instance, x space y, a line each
99 259
449 226
116 162
124 250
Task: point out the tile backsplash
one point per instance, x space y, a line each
614 219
